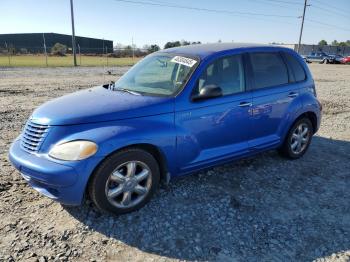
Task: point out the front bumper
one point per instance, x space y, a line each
56 181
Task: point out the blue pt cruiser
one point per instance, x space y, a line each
177 111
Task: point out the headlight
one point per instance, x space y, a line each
75 150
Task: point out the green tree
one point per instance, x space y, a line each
335 42
172 44
153 48
59 49
322 43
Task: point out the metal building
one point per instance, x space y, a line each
329 49
34 42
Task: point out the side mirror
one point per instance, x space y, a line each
208 91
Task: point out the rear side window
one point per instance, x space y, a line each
269 70
298 70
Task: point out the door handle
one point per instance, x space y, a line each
293 94
244 104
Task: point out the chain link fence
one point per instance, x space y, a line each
60 55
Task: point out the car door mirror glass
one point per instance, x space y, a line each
208 91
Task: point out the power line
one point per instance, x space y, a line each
329 25
329 11
333 7
158 3
284 2
239 13
287 3
264 2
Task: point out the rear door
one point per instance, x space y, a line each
272 94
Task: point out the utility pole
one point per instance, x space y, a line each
106 55
45 49
132 46
73 33
302 25
79 54
8 53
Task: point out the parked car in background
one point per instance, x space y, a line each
336 59
305 59
346 60
319 57
177 111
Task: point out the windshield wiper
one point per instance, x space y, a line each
111 86
128 91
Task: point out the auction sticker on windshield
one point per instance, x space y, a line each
183 61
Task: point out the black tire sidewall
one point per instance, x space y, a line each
98 181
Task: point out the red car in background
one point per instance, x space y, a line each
346 60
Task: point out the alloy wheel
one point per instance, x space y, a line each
300 138
128 184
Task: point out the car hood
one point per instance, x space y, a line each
99 104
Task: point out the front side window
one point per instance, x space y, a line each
159 74
269 70
226 73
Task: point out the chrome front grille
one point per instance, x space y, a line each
33 135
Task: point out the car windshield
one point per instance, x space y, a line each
158 74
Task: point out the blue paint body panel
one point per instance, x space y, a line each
190 135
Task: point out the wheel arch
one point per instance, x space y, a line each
155 151
313 118
158 154
310 115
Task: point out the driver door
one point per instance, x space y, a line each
215 129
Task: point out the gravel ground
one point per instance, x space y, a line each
260 209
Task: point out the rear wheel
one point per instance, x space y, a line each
298 139
125 181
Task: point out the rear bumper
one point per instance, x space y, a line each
56 181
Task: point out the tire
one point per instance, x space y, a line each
326 61
288 148
117 186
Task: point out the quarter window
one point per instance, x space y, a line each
299 73
227 73
268 69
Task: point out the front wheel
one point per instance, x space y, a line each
125 181
298 139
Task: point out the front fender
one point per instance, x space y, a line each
110 136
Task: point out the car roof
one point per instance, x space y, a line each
204 50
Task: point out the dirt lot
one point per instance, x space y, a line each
261 209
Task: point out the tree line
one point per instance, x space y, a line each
132 50
334 43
